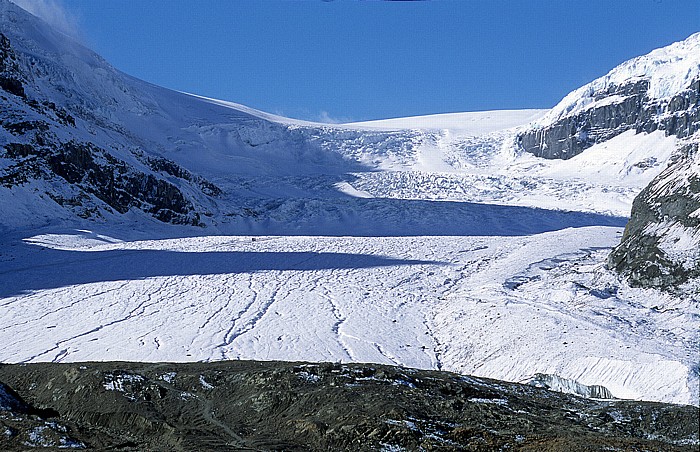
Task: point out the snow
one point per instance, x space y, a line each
116 382
168 377
502 402
475 123
204 383
681 244
426 302
428 242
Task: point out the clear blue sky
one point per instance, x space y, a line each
372 59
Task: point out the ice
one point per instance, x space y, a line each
427 302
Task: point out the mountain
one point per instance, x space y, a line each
661 245
82 140
143 224
658 91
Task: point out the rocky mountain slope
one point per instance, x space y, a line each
658 91
245 405
44 146
661 244
80 139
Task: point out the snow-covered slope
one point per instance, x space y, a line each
475 123
669 71
655 94
439 245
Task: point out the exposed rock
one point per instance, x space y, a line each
95 171
118 185
23 426
46 149
245 405
22 127
166 166
661 244
635 110
659 91
656 91
9 79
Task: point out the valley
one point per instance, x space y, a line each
150 226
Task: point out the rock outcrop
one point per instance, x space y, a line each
9 69
658 91
661 244
23 426
41 143
614 110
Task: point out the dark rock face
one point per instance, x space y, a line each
169 167
571 135
23 425
94 171
241 405
119 186
666 203
664 208
9 69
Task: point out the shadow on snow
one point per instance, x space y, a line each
380 217
58 268
45 268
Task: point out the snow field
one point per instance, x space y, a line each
503 307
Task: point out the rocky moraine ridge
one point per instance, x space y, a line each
659 91
248 405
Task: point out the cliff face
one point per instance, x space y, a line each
661 244
613 110
657 91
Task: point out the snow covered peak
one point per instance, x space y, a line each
34 34
669 70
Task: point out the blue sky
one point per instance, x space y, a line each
356 60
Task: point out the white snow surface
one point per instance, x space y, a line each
476 122
424 242
502 307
